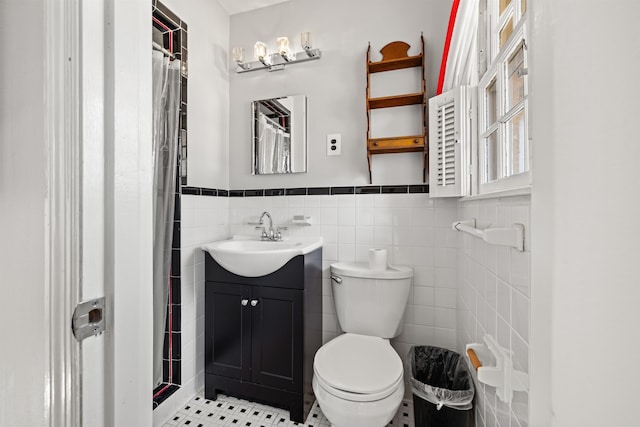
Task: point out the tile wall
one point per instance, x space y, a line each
494 298
462 287
415 230
204 219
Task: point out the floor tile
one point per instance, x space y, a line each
230 411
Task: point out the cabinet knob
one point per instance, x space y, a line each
254 302
244 302
375 143
415 141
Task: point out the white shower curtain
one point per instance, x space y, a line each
274 147
166 106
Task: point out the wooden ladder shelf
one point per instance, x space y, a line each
395 57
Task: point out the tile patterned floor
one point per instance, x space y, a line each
230 411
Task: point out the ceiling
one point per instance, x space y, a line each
238 6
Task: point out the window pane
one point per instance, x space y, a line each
506 31
491 157
517 144
515 82
492 103
503 5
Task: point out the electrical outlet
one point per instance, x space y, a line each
334 144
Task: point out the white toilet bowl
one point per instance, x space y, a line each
358 381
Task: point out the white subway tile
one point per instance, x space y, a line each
423 335
422 217
504 301
446 277
402 255
402 236
445 318
445 338
347 216
520 314
422 236
423 276
424 295
346 253
423 256
365 235
383 235
365 216
346 200
347 234
423 315
329 233
446 297
445 257
329 215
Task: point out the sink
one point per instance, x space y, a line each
251 257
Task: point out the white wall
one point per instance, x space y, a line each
22 198
494 298
208 91
335 85
584 211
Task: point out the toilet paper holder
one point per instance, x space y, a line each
500 374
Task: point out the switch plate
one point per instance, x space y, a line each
334 144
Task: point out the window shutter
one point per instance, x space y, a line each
450 143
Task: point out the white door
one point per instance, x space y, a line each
75 209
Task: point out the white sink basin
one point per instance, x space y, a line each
251 257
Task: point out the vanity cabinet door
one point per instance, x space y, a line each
228 330
277 329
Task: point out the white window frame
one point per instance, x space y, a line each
497 70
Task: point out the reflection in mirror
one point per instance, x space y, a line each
279 135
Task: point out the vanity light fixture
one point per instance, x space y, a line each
276 61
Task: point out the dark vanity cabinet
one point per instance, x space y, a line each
262 333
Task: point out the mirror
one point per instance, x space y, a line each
279 135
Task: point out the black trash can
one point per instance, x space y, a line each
442 388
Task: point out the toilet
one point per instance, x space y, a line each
357 376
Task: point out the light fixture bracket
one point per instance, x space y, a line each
278 62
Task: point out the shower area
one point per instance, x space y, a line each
169 81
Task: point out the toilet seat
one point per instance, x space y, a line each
358 367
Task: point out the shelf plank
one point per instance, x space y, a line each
396 100
395 64
396 144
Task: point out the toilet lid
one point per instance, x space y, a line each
358 364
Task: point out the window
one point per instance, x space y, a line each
478 136
503 143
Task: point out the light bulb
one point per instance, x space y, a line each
238 55
283 46
305 40
260 50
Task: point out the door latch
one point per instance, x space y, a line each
89 318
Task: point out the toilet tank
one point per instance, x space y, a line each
370 302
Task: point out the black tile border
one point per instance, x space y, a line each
369 189
341 190
395 189
295 191
308 191
318 191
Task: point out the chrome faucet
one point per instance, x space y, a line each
269 233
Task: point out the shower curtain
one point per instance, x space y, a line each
274 147
166 105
